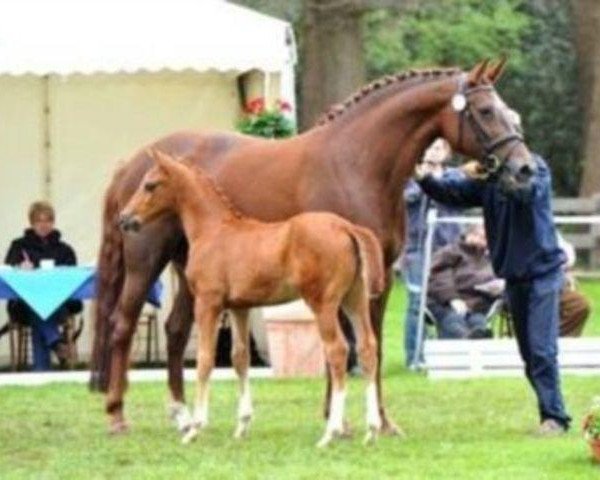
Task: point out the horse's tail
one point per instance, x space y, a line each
110 275
371 256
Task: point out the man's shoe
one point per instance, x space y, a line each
550 428
417 367
479 333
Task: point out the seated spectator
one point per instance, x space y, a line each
418 204
42 242
574 307
460 293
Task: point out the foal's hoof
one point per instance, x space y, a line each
118 428
390 429
328 437
241 431
189 435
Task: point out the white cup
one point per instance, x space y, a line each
47 263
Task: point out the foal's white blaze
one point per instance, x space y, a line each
244 409
180 414
335 423
373 416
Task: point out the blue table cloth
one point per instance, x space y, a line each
44 290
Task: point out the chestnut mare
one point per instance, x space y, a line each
354 163
235 263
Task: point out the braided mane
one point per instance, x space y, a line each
379 85
218 191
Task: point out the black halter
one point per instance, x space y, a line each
490 161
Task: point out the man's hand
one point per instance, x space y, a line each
459 306
473 169
421 171
494 288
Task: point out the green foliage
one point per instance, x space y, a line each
264 122
540 82
447 32
546 92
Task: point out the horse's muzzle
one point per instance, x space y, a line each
522 171
129 223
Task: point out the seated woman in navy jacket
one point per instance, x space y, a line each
41 242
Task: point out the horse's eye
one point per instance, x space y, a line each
150 186
486 113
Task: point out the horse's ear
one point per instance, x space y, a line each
475 75
162 160
494 72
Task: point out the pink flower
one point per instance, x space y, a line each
284 106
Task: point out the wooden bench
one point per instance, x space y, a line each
500 357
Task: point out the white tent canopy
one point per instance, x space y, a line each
84 83
82 36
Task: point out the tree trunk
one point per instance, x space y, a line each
333 56
587 21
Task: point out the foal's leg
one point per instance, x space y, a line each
206 314
177 328
356 306
336 353
240 359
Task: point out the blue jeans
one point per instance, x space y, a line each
44 336
412 270
451 324
534 308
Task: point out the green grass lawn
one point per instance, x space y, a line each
475 429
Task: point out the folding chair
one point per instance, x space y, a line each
20 340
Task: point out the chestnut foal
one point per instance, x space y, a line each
236 263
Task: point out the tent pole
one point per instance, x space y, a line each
46 164
267 88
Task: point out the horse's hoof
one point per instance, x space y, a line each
370 436
241 430
390 429
189 435
118 428
325 440
347 431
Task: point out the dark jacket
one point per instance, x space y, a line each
455 271
520 228
37 249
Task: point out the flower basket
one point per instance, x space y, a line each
591 428
595 447
266 122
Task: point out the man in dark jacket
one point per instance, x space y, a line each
524 250
41 242
455 298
